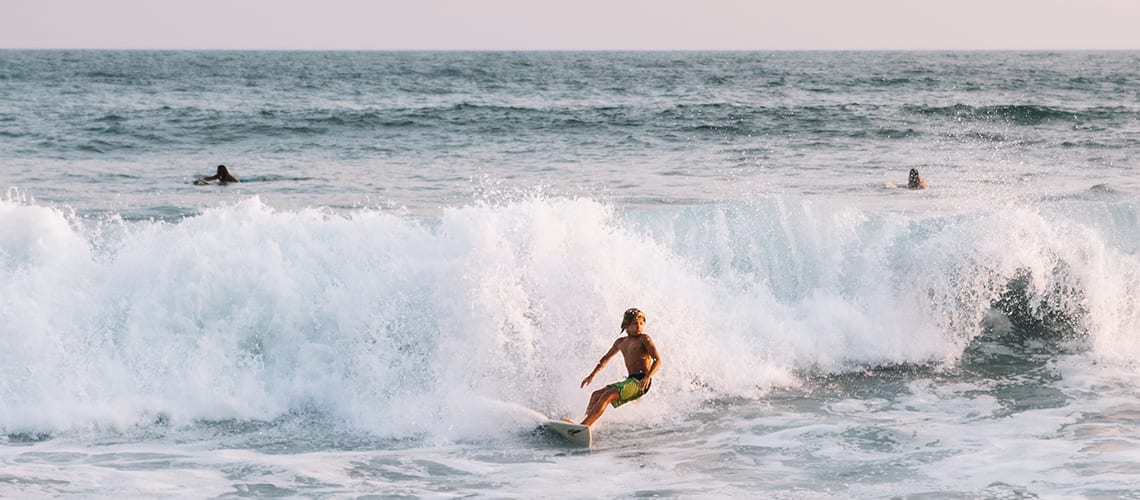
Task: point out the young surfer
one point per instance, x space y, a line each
638 351
223 176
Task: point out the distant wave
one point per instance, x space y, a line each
1096 192
1020 114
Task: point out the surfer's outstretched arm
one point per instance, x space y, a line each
601 364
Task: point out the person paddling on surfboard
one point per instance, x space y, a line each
223 176
638 350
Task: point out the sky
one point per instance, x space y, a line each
571 25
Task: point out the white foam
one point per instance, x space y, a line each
404 326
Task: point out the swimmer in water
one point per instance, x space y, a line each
223 177
915 181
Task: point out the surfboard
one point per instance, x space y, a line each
577 435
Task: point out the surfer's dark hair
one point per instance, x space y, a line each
224 175
912 181
630 316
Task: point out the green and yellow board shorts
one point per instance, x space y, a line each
630 389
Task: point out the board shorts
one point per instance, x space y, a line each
630 389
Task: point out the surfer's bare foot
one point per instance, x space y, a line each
567 420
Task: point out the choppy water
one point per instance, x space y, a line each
430 250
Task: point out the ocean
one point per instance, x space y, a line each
430 250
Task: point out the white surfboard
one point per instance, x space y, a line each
577 435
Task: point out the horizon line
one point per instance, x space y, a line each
880 49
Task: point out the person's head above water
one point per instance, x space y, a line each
914 181
630 316
224 175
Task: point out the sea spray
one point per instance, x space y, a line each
407 326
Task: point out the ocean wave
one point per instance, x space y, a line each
168 125
244 312
1020 114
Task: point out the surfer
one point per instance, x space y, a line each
915 181
638 350
223 176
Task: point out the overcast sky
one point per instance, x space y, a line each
571 25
